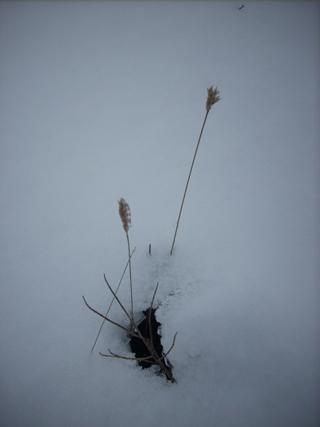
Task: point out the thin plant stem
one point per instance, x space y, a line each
125 215
212 98
149 314
119 356
187 184
112 301
154 295
117 299
130 278
104 317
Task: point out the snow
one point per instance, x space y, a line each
103 100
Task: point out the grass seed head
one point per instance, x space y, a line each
213 97
125 214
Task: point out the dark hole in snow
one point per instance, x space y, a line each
140 350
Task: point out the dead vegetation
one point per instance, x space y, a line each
144 337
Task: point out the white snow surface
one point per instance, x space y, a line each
102 100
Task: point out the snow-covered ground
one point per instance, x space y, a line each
102 100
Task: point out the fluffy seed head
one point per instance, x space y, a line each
213 97
125 214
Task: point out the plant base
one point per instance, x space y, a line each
148 328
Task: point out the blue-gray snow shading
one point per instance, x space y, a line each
102 100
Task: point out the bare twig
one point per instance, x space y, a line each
159 360
139 359
104 317
112 301
117 299
119 356
154 294
172 345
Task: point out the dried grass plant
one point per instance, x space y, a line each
132 330
125 215
212 98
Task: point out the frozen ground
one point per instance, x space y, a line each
102 100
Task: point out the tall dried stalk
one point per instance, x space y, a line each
212 98
125 215
133 330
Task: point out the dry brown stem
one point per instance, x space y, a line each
212 98
112 301
120 356
125 215
118 300
104 317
